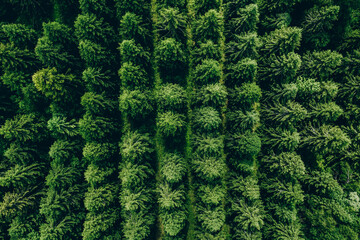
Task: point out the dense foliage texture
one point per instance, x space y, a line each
179 119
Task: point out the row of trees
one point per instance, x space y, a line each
62 206
137 148
243 143
207 120
99 125
24 135
282 191
170 28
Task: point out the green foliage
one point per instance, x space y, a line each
240 121
60 127
99 152
281 69
169 54
56 48
246 20
247 235
283 212
23 128
20 35
351 62
16 81
135 147
243 71
320 19
329 91
243 146
136 103
89 27
15 202
277 21
247 186
209 72
317 23
307 88
170 123
171 97
246 95
97 79
232 6
321 65
98 226
20 176
281 231
211 220
134 201
97 176
171 24
250 96
209 27
323 216
133 175
94 6
322 183
206 120
57 204
131 6
52 84
136 225
286 164
61 177
133 77
287 192
97 103
172 3
57 33
354 201
213 95
326 112
326 139
351 89
59 229
209 168
282 41
243 46
132 26
94 54
211 195
173 223
14 59
203 6
134 53
173 167
277 5
282 139
207 50
53 55
208 146
290 114
99 199
61 150
283 93
169 198
95 128
248 217
24 227
18 154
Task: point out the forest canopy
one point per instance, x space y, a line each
179 119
